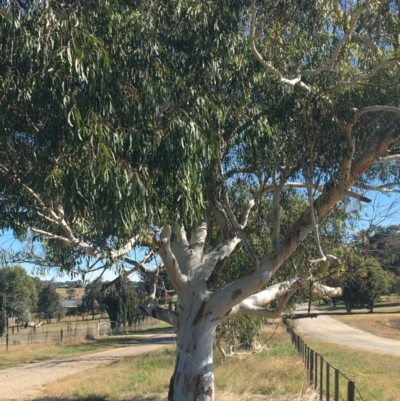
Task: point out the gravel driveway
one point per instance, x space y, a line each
328 329
25 382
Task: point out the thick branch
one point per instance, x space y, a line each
170 262
156 312
333 192
386 188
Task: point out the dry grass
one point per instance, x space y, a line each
381 325
35 352
377 376
63 292
390 298
25 353
268 376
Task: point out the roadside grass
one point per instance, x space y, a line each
377 376
275 374
30 353
381 325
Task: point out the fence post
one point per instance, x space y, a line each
327 381
321 378
312 367
350 391
316 371
336 385
7 342
61 336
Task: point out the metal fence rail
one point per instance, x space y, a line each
322 375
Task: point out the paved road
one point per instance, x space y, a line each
25 382
329 329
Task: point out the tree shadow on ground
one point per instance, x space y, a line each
93 397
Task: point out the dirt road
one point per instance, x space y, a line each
25 382
328 329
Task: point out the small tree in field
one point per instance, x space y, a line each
215 136
48 302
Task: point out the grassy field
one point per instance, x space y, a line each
276 374
381 325
62 292
377 376
18 355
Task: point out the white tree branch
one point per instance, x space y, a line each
374 109
362 77
239 228
386 188
253 37
329 65
171 264
156 312
388 159
365 41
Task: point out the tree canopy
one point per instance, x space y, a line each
164 124
19 290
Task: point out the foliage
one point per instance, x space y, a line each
118 117
382 244
48 302
71 291
365 282
20 291
3 314
92 299
120 302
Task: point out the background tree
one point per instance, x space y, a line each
363 282
147 124
3 314
20 291
48 302
121 300
71 290
92 300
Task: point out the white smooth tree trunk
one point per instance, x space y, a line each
193 377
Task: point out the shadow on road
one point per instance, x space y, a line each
95 398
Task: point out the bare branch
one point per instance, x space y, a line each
388 159
340 44
239 228
276 221
386 188
159 313
170 262
362 77
253 37
365 41
334 191
138 267
374 109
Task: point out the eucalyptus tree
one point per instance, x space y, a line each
147 123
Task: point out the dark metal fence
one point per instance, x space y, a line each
331 382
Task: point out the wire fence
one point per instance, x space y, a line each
67 331
331 382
